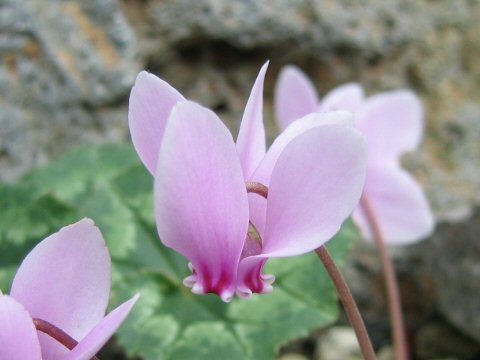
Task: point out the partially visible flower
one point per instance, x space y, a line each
18 336
202 207
392 123
63 281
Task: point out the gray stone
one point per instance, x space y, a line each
15 143
436 340
338 343
431 47
313 26
454 258
364 275
61 64
64 61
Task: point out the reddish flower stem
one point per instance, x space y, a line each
257 188
391 284
343 291
349 304
56 333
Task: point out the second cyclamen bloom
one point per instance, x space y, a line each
314 172
392 123
56 307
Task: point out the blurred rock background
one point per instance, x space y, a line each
66 68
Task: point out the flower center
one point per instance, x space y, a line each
56 333
262 190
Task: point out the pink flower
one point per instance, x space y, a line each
392 123
202 207
65 281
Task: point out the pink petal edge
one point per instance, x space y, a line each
102 332
392 122
150 103
306 208
201 204
399 204
295 96
65 280
263 173
251 137
349 97
18 336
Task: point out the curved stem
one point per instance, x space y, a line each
257 188
56 333
349 304
391 284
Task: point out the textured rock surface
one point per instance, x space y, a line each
62 64
457 276
66 67
429 46
439 282
452 345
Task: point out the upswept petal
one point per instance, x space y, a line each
392 122
18 336
349 97
399 204
315 185
262 174
150 103
65 280
295 96
95 339
251 137
201 204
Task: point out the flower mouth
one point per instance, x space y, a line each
56 333
250 278
253 235
247 281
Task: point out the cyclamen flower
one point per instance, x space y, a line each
202 208
63 281
392 123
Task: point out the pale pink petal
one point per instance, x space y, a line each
65 280
251 137
150 103
262 174
95 339
315 185
392 122
200 197
348 97
295 96
399 204
18 336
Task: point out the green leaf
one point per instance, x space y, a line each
108 184
27 217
